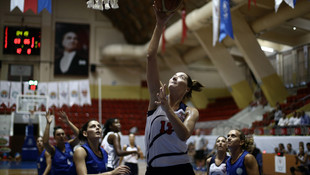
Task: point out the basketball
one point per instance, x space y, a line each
168 5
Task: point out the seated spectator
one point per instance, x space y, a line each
290 149
278 113
305 119
291 120
282 150
302 159
298 119
283 121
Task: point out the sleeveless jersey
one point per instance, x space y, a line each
62 162
131 158
95 164
238 167
218 170
163 146
113 159
41 163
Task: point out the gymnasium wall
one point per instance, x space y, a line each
117 80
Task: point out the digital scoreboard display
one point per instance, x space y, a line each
21 40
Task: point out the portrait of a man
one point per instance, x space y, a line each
71 49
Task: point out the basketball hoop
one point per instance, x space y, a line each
102 4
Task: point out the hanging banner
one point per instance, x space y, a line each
63 88
42 89
17 3
74 93
216 20
4 92
44 4
52 94
16 89
225 21
84 92
27 91
31 5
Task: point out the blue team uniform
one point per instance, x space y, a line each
238 167
62 162
41 163
95 164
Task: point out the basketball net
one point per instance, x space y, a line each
102 4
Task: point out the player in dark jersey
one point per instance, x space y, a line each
90 158
44 162
241 162
62 152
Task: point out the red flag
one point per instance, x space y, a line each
249 3
32 5
163 46
184 27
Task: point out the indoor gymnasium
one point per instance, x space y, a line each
154 87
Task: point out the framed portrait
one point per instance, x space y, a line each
71 49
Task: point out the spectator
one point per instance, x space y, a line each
308 155
282 150
302 159
200 144
278 113
276 150
298 119
305 119
292 119
283 121
290 150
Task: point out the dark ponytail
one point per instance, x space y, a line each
193 85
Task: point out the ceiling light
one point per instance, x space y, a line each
267 49
294 28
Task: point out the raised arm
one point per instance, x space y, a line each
152 72
64 118
49 148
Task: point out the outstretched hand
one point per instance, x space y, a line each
49 117
63 117
162 17
162 96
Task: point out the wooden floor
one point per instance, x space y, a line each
18 171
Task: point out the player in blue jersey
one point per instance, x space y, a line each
90 158
62 152
169 122
241 162
44 162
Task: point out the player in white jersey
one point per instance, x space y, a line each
169 122
111 143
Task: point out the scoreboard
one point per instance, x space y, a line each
21 40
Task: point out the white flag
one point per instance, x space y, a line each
84 92
4 92
52 92
17 3
278 3
16 89
74 93
216 19
42 89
